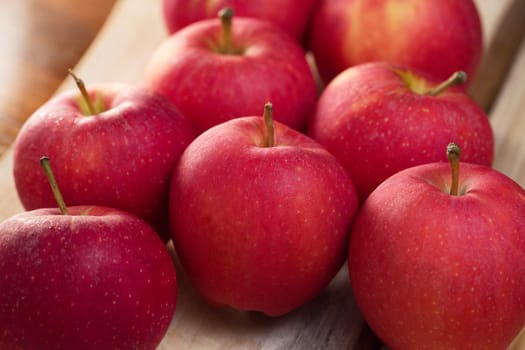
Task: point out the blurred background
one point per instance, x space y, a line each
41 39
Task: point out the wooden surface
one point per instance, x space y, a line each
332 320
40 40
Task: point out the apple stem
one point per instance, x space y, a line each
226 17
268 122
453 155
456 78
82 87
46 165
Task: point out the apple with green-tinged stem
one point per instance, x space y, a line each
379 118
218 69
290 15
437 257
83 278
439 36
112 144
260 215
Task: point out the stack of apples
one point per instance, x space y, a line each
269 171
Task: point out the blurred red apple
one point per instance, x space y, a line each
291 15
379 118
120 155
437 36
435 270
216 70
260 217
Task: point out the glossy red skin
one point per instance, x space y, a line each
121 158
258 228
290 15
95 279
376 126
437 36
210 88
435 271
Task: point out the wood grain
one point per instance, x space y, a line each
506 34
332 320
508 121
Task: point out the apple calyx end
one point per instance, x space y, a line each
48 171
270 127
226 45
457 78
453 156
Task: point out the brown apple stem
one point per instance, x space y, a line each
226 17
268 122
457 78
46 165
82 87
453 155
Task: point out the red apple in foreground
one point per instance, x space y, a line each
86 277
437 36
97 278
260 216
291 15
216 70
379 118
437 270
120 154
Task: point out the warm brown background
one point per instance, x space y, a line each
40 39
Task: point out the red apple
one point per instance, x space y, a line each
433 270
97 278
437 36
379 118
217 70
120 155
83 277
260 217
291 15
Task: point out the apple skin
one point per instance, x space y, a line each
121 158
419 34
260 228
290 15
98 278
210 88
377 124
435 271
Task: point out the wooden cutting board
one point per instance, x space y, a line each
331 321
